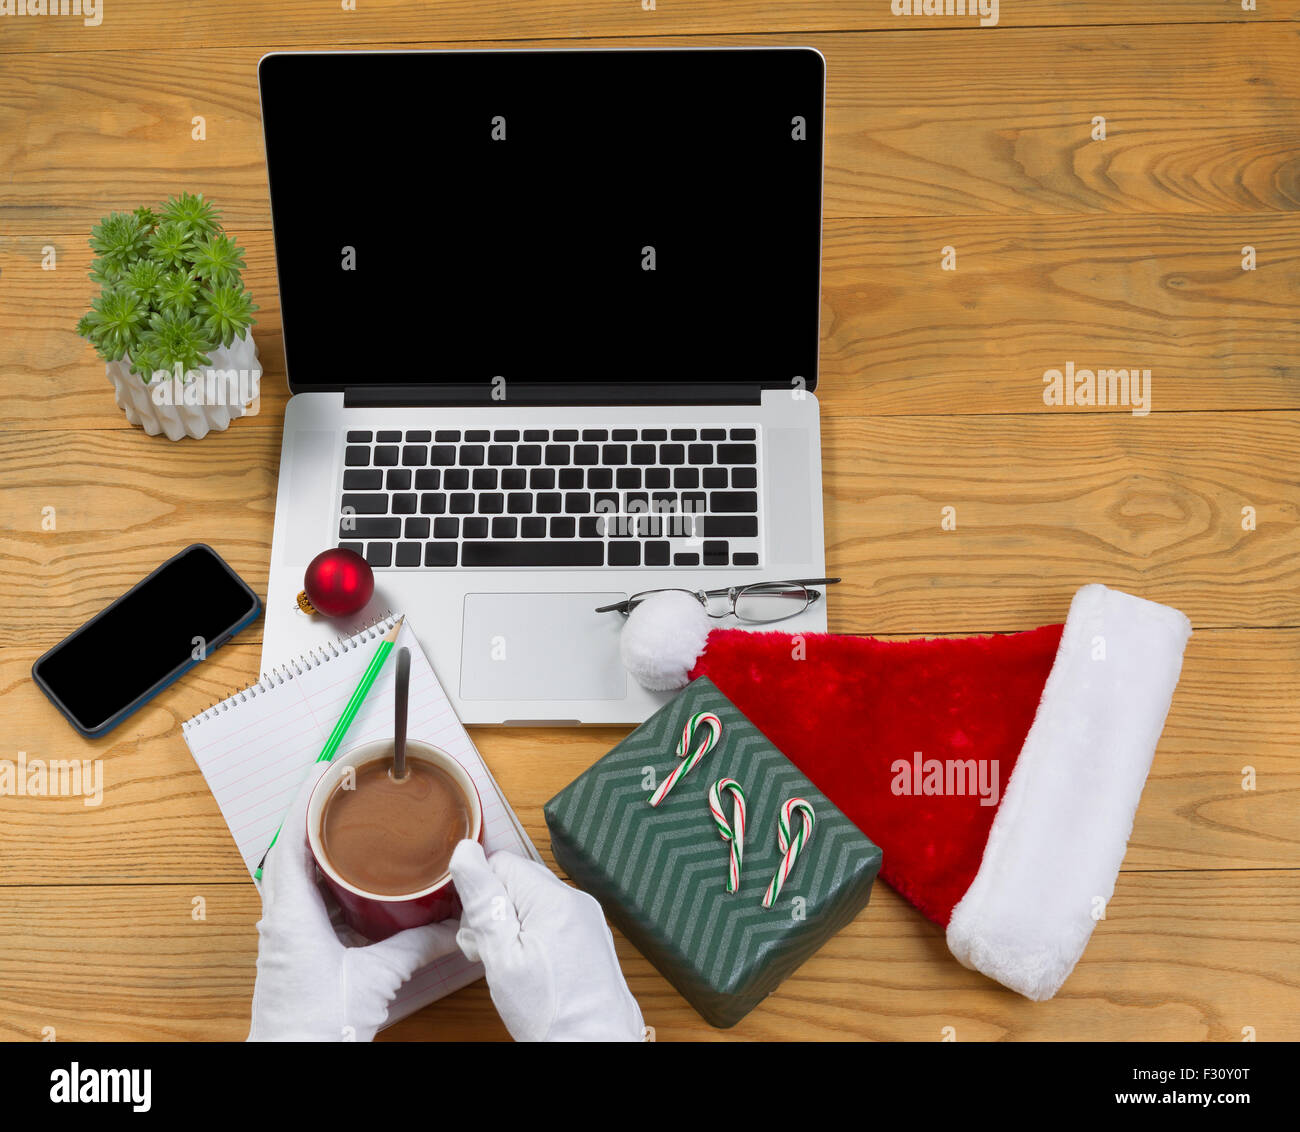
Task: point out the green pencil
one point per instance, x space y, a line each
349 714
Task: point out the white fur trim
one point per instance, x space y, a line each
663 638
1061 831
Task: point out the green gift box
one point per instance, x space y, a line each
660 873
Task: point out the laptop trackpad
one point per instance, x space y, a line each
541 647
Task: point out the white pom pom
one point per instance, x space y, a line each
662 640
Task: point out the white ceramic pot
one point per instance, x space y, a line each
204 400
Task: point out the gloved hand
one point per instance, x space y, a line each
310 987
548 955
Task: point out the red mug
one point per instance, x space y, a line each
374 915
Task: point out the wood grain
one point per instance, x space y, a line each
919 123
1159 968
156 24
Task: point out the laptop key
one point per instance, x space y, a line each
393 437
643 454
506 434
714 477
744 477
355 457
519 503
577 502
414 456
528 455
593 526
398 479
379 553
570 478
623 434
728 526
418 436
654 434
742 434
586 454
478 435
499 455
600 477
595 434
723 502
549 503
370 528
505 526
355 547
433 503
630 477
605 502
563 526
625 554
657 477
715 554
491 503
475 527
713 434
461 503
534 554
416 528
513 479
744 558
686 559
532 527
471 455
447 436
565 434
700 453
686 477
446 527
557 454
737 453
409 553
440 554
541 434
404 503
442 454
386 456
359 436
656 553
613 454
484 479
427 479
682 434
363 479
455 479
367 504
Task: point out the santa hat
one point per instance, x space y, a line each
999 775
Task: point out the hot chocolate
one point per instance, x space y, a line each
393 838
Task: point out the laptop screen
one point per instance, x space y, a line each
582 217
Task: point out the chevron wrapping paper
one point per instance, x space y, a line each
661 873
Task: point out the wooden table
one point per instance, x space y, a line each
1126 251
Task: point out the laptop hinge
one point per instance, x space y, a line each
506 394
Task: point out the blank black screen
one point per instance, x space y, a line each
145 637
522 258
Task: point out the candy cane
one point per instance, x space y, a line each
735 832
701 719
791 846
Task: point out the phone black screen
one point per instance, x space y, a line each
146 637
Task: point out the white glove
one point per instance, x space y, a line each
548 955
310 987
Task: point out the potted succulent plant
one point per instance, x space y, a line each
172 319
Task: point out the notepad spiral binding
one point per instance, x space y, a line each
283 673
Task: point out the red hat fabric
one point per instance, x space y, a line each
999 775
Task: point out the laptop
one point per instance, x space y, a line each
551 332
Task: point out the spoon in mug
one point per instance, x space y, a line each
400 698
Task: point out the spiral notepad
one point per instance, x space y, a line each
256 747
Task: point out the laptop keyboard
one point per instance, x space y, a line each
657 497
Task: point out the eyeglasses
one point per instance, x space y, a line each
762 601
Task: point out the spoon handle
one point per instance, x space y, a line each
399 707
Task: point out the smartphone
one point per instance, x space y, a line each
126 654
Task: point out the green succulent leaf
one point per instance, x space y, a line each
227 311
118 240
147 218
217 260
144 277
172 339
114 322
179 291
172 244
197 216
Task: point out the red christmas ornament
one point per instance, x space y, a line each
338 582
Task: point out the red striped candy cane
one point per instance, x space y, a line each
735 832
700 720
790 845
